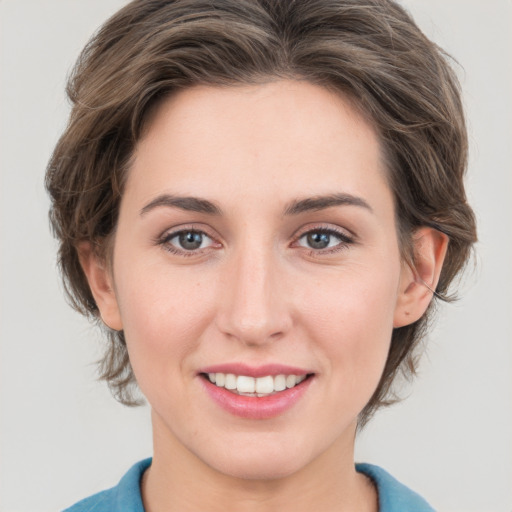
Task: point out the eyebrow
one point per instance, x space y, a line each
196 204
190 204
322 202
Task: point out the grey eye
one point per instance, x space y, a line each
321 240
190 240
318 240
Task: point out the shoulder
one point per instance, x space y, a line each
393 495
124 497
95 503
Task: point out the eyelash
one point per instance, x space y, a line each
344 241
166 238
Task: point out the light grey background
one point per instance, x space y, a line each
62 437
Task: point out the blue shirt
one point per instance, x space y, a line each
125 496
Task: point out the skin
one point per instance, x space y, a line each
257 292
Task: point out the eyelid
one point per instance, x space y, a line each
345 236
326 228
164 239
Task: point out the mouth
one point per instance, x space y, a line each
260 387
256 392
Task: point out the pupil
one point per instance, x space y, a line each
191 240
318 240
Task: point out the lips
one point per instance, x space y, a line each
255 392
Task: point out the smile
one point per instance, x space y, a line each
256 392
255 386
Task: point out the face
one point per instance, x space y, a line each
256 242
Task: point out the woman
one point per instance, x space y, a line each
260 200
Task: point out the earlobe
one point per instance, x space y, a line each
101 285
418 281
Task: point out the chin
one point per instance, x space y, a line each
261 469
261 461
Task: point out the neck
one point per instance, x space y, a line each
179 481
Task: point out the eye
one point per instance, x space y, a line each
187 240
321 239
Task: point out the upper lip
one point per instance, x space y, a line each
255 371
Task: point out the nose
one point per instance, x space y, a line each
253 307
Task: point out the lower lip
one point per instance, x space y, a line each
256 408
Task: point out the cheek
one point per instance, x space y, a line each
350 318
162 315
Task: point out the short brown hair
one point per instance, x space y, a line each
368 50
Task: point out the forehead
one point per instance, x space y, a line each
308 109
285 136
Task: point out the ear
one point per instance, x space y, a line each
418 282
101 285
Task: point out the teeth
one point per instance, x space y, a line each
245 384
291 380
220 379
264 384
300 378
280 382
230 382
261 386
